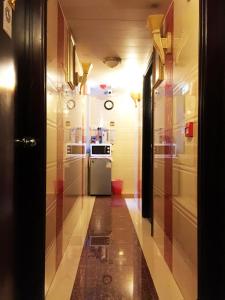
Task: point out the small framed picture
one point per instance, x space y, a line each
158 70
71 50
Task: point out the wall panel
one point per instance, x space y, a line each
66 177
175 176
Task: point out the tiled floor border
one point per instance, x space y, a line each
63 282
165 284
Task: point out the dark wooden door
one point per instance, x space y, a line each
22 152
211 155
147 148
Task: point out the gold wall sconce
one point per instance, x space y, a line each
160 43
87 67
136 96
12 3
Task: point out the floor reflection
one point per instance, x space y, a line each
112 265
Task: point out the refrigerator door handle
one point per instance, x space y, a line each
91 161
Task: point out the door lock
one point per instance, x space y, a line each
26 142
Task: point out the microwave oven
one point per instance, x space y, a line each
75 149
99 150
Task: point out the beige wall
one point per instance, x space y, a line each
186 37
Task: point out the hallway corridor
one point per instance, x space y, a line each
112 150
112 264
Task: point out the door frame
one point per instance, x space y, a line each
211 152
147 146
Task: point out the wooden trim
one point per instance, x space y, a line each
211 152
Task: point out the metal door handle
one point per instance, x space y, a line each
26 142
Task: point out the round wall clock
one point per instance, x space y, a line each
108 104
70 104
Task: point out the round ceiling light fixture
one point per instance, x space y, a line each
154 5
112 61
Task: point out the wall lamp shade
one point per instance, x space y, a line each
112 62
12 3
136 96
161 44
87 67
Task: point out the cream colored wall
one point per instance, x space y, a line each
125 147
125 150
184 165
186 93
186 37
139 151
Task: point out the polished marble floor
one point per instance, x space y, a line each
114 238
112 264
165 284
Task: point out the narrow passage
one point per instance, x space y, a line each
112 264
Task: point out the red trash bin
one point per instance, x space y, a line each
117 186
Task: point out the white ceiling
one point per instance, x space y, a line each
113 28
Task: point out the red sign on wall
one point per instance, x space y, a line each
189 129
